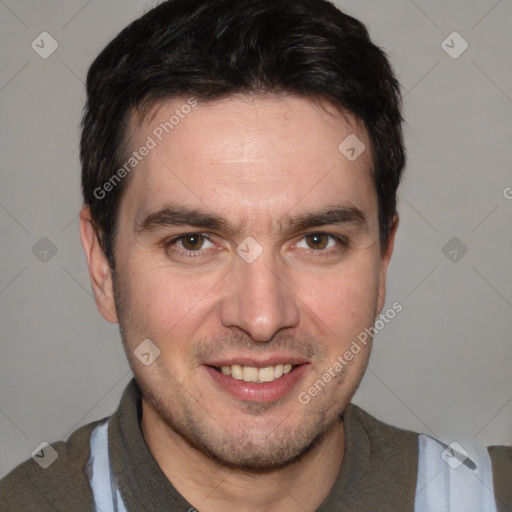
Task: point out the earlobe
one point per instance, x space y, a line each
385 259
99 270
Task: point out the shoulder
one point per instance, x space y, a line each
434 473
380 464
501 461
58 483
385 439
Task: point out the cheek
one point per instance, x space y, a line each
344 302
167 304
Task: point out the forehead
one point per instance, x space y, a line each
252 157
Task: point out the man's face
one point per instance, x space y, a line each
247 243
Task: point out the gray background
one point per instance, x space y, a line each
442 366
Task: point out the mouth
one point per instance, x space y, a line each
260 382
255 374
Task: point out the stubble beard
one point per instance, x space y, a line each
247 451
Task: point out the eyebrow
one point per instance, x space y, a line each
174 215
171 215
340 214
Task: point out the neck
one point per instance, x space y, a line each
212 487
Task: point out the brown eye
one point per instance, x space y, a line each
192 242
317 241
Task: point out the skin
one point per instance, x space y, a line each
257 162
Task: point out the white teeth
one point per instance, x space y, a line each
250 374
266 374
278 371
236 371
253 374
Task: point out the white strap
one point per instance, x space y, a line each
452 478
107 497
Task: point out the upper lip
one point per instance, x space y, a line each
256 363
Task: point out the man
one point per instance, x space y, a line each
240 166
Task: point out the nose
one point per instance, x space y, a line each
258 301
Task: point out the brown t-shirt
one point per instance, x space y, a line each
379 470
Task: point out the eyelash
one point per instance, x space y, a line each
342 241
185 252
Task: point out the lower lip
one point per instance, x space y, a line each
254 392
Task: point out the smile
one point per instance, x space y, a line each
254 374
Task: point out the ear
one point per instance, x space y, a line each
99 269
385 258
